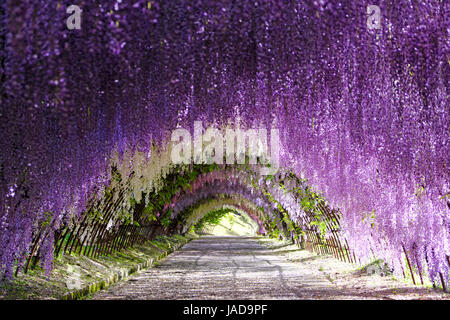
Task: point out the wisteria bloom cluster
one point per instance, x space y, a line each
363 113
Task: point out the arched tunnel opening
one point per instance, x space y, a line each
284 208
323 125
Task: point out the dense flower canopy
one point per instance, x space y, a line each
363 114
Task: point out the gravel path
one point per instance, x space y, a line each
252 268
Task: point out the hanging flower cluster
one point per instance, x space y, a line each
363 113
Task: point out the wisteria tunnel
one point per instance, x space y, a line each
121 122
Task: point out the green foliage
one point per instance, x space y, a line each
132 201
47 220
166 221
149 213
125 217
211 218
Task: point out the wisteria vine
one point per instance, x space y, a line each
364 113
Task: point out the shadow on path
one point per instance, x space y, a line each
213 267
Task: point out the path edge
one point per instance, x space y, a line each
122 274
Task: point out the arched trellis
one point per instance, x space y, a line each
271 208
93 236
237 203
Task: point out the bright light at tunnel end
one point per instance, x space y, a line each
229 146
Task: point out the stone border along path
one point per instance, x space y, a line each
121 275
213 267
